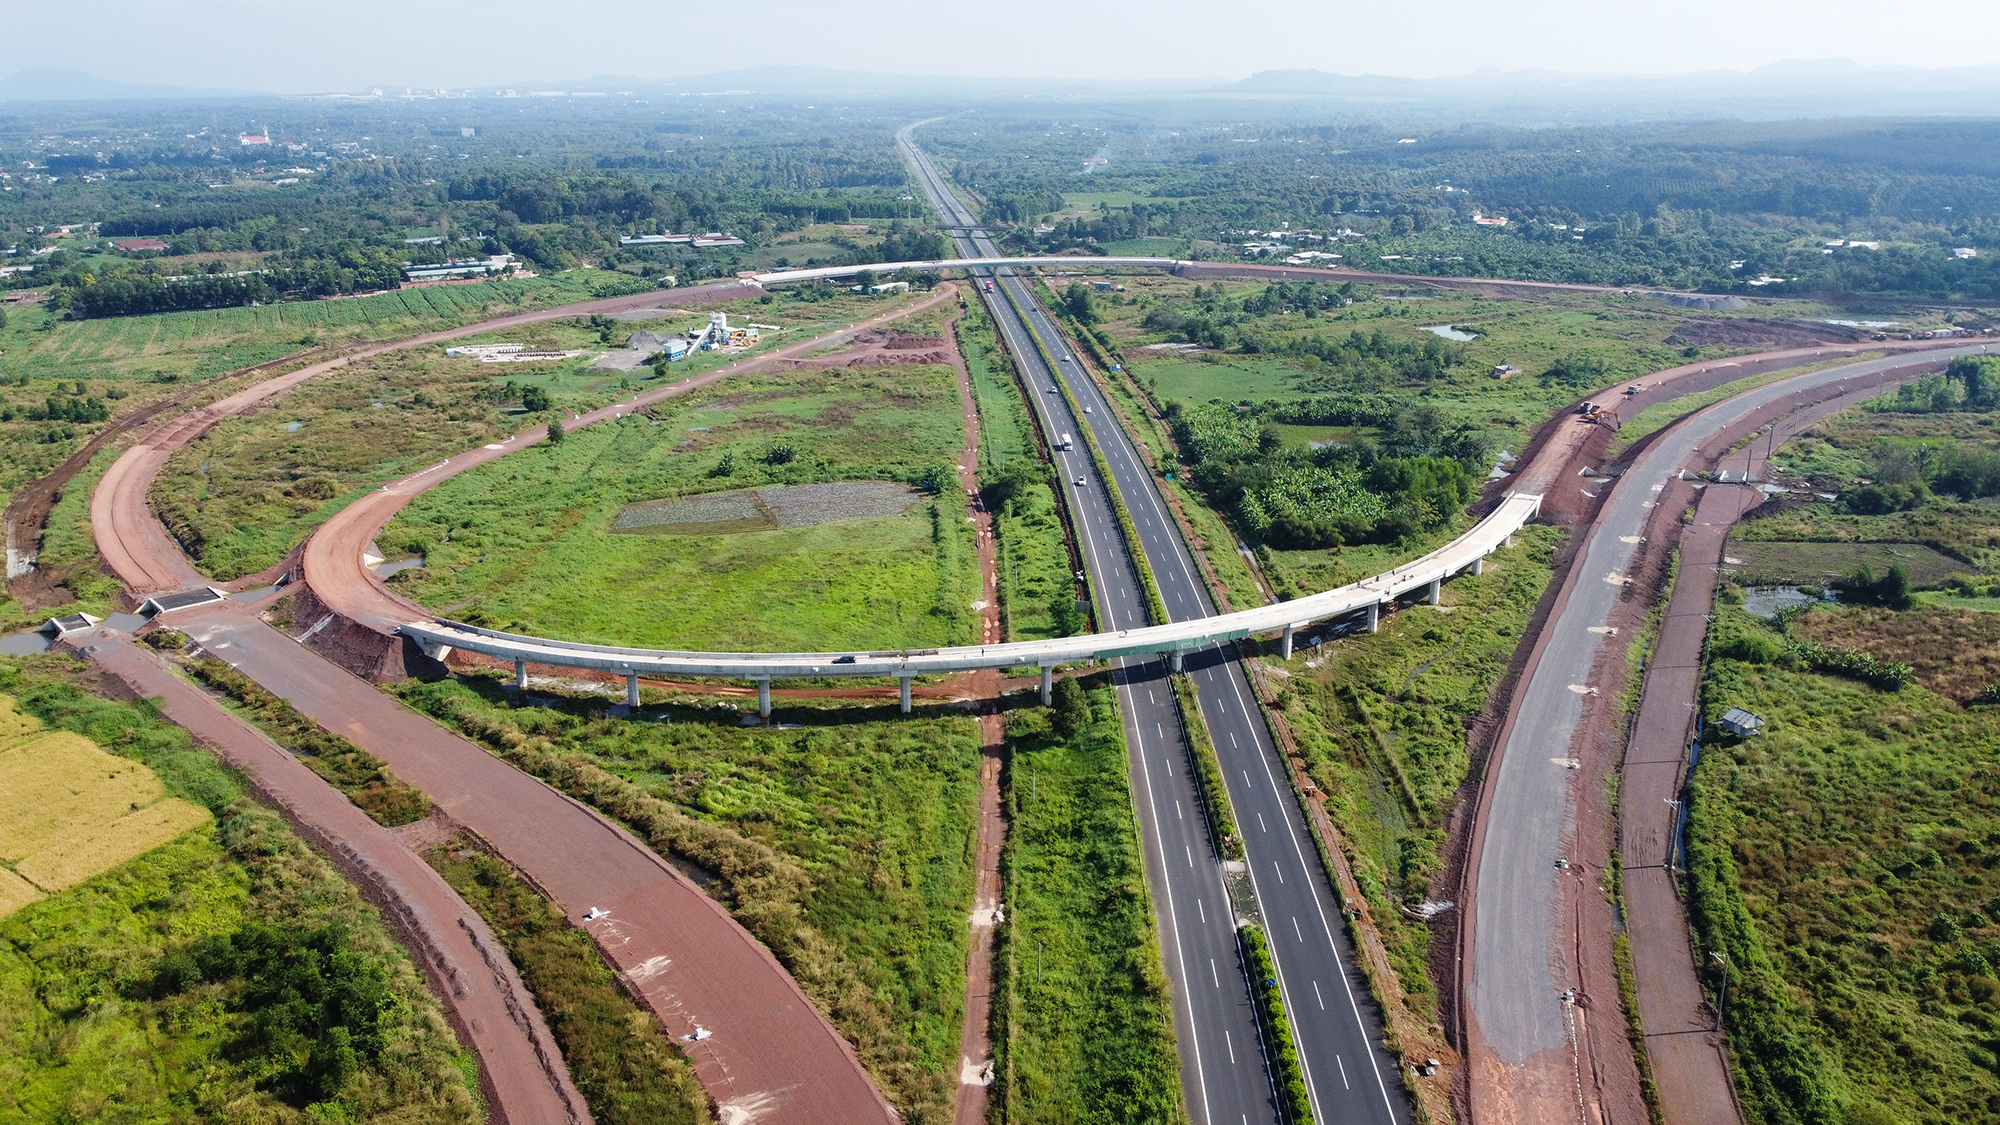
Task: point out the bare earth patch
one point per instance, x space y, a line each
1954 652
765 509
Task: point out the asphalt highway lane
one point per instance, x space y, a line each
1519 970
1335 1025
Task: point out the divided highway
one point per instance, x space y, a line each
1224 1075
1335 1024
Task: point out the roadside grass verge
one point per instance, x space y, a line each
1381 720
526 543
1083 1024
843 840
621 1061
1842 863
149 993
1037 590
386 798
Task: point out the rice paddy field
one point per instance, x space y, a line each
69 811
104 1014
530 542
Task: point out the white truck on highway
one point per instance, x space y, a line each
1066 443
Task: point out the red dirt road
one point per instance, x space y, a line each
520 1069
769 1057
332 563
1689 1062
139 552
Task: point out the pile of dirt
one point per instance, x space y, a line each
1759 332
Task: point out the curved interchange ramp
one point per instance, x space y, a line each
438 637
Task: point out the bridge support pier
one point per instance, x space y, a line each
1374 617
632 690
1177 660
1437 586
1509 541
906 695
520 674
1478 566
1285 644
764 699
1048 684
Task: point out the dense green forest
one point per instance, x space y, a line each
341 200
1718 206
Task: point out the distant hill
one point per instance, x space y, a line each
1793 88
67 84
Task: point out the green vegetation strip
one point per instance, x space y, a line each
1214 791
1277 1026
1037 581
228 975
1154 605
1662 414
365 779
626 1067
1082 1009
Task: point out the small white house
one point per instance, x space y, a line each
1740 723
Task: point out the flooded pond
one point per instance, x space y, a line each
1767 601
1450 332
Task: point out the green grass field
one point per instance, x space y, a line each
1381 720
1843 862
525 541
100 1019
1080 998
842 837
1033 560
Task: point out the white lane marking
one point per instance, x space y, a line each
1150 699
1174 911
1178 815
1261 826
1190 854
1231 1043
1343 1074
1318 997
1160 732
1279 870
1211 973
1296 932
1232 738
1203 907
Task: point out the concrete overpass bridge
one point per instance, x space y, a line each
1427 574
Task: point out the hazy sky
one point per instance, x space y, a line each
291 47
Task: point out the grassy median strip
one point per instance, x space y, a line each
626 1067
362 776
1155 607
1284 1054
1214 792
1082 1016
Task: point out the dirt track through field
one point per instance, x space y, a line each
521 1072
